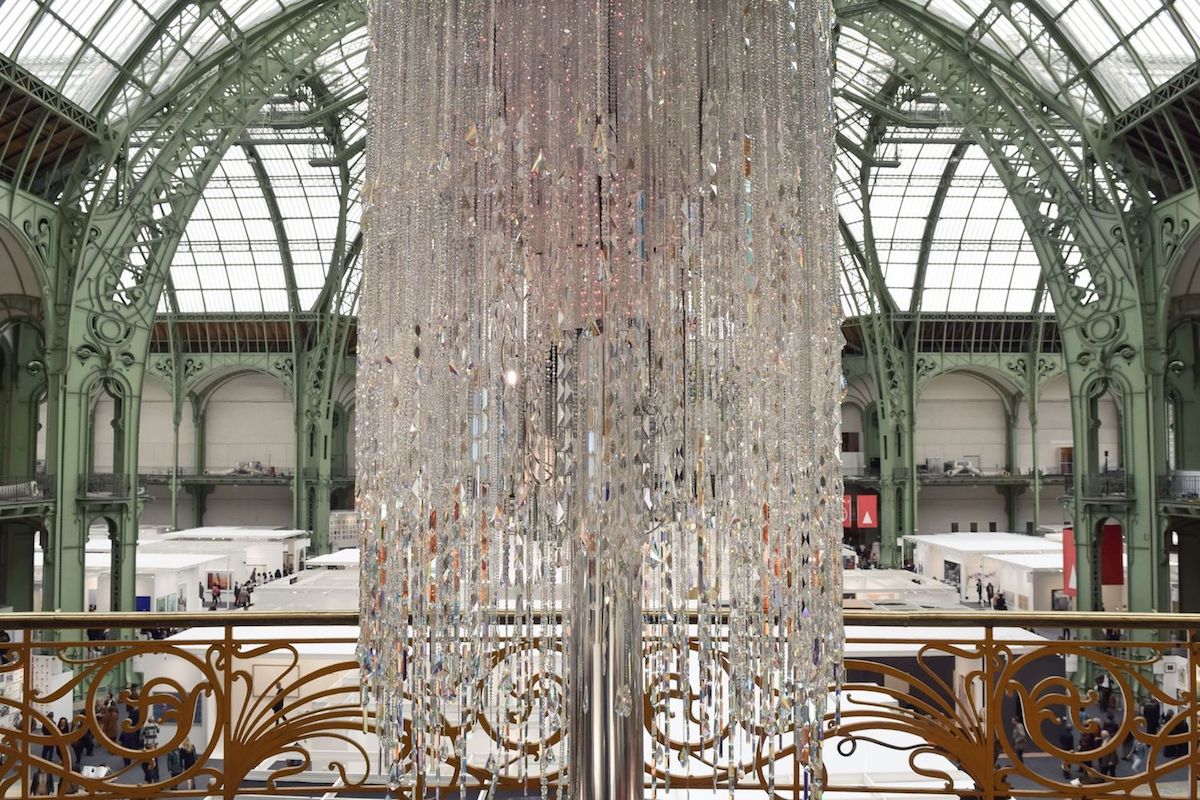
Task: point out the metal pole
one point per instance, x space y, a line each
605 651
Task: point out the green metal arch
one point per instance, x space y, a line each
188 149
20 240
981 101
1004 387
203 388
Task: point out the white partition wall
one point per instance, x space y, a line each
249 418
959 415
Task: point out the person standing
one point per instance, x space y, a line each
150 769
1066 743
1152 711
110 719
64 731
1104 686
42 784
187 760
991 592
49 730
979 590
1020 739
175 763
1108 761
1139 756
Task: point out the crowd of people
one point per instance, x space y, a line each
242 592
1099 728
996 599
130 733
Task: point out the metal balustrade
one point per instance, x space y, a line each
1181 487
1106 485
271 704
26 488
104 484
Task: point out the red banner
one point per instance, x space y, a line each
847 514
1070 579
1112 556
1112 559
868 511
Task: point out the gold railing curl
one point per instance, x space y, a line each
920 706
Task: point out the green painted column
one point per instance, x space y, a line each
1012 494
891 515
1087 575
124 546
302 446
1035 466
1148 578
199 492
176 421
910 487
69 412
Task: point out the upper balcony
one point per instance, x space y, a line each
1180 491
272 705
1114 486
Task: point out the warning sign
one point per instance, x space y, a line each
847 514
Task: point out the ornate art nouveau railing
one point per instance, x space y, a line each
272 706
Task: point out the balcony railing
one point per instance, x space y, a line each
26 488
1107 485
1181 487
104 484
340 467
927 709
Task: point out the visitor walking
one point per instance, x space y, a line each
1020 739
1139 756
1066 743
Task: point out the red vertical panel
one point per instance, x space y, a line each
1070 580
1112 556
868 511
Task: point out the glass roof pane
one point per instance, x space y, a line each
231 257
1130 47
83 48
1088 29
1164 47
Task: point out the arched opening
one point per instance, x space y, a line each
1183 395
961 439
22 353
1183 539
852 438
107 456
159 450
248 432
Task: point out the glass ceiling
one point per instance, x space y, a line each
1096 56
85 48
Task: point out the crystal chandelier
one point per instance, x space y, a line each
598 390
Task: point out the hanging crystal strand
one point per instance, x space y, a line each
620 188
